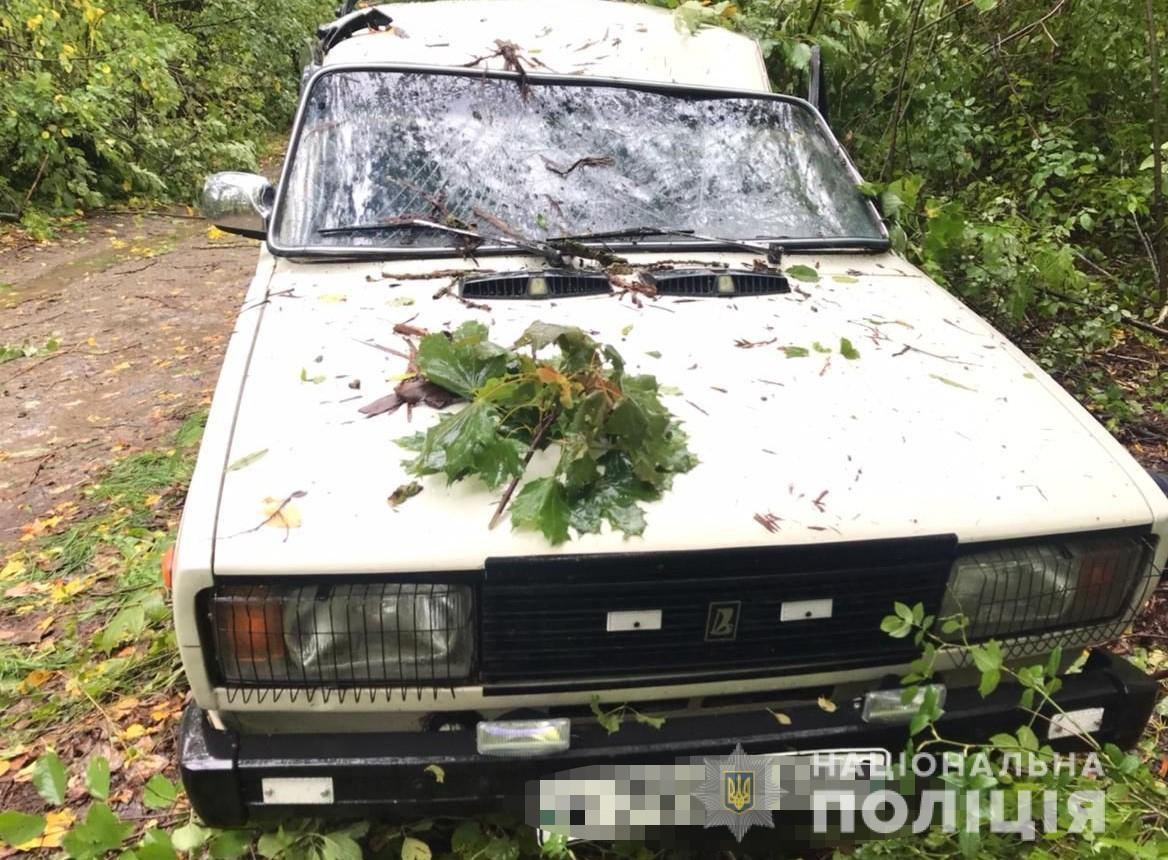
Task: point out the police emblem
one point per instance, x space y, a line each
739 791
739 794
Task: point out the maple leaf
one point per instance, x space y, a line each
619 445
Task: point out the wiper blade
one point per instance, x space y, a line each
547 251
649 232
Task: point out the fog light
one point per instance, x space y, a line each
888 706
524 737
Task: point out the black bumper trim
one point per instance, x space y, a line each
385 773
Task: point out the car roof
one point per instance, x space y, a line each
596 38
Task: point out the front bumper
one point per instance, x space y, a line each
385 773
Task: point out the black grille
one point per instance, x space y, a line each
693 283
495 287
544 619
556 285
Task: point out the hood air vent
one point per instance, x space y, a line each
726 284
536 285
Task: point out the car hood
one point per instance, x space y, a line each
937 426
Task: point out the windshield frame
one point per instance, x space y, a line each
334 252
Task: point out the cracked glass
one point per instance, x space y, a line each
538 160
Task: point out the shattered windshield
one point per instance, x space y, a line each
380 151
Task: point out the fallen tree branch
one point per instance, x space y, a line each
531 449
1158 237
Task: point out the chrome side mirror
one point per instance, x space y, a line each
238 203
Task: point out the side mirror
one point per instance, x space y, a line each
238 203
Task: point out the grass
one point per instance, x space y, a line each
84 616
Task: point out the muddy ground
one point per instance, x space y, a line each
126 317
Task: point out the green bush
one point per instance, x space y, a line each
1009 143
139 98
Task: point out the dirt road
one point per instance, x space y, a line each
120 329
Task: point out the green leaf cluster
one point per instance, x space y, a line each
616 444
127 100
1136 809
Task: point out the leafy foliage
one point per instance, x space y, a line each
1136 811
121 99
618 446
1009 149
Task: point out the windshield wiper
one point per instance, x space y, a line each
649 232
553 255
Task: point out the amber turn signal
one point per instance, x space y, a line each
255 629
167 566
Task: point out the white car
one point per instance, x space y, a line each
861 437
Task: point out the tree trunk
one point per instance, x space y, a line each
1159 237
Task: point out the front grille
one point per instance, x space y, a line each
544 619
726 284
536 285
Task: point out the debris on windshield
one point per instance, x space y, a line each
385 163
586 161
512 61
498 223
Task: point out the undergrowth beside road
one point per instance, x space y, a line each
88 663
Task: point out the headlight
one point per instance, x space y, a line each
409 634
1031 588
